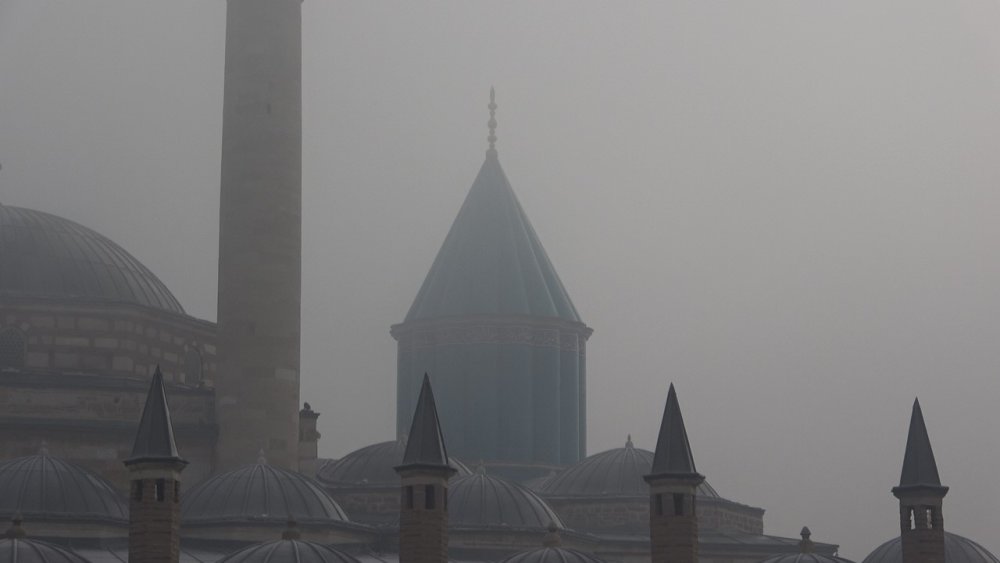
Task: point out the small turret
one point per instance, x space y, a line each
424 473
155 474
673 481
920 495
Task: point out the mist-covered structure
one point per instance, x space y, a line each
497 332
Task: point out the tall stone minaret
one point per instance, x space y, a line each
260 235
920 495
673 483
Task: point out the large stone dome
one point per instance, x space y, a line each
259 493
617 472
372 466
45 256
45 488
288 551
484 501
957 549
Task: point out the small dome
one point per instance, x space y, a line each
617 472
288 551
482 500
42 487
261 493
22 550
553 555
807 553
47 256
956 550
372 466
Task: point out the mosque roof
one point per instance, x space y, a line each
553 554
957 549
807 553
483 501
617 472
23 550
259 493
46 256
42 487
372 466
288 551
492 261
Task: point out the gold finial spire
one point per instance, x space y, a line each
492 123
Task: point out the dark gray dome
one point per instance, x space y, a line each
553 555
956 550
42 487
805 558
47 256
259 493
483 501
617 472
288 551
22 550
372 466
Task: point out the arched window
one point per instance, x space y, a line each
12 350
192 365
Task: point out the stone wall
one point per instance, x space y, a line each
113 339
368 505
92 420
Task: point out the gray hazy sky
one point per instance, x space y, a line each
788 208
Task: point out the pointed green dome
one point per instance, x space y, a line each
491 262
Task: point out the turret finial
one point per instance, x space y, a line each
43 448
806 545
261 457
492 138
628 442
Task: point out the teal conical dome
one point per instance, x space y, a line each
492 262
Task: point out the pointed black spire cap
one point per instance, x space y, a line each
919 468
154 441
673 451
425 444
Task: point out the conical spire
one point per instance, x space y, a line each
919 467
154 441
673 452
425 445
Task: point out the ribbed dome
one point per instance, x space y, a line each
492 262
617 472
288 551
481 500
42 487
805 558
22 550
956 550
47 256
372 466
261 493
553 555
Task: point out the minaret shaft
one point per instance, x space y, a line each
260 234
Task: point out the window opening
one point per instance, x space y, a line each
429 497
